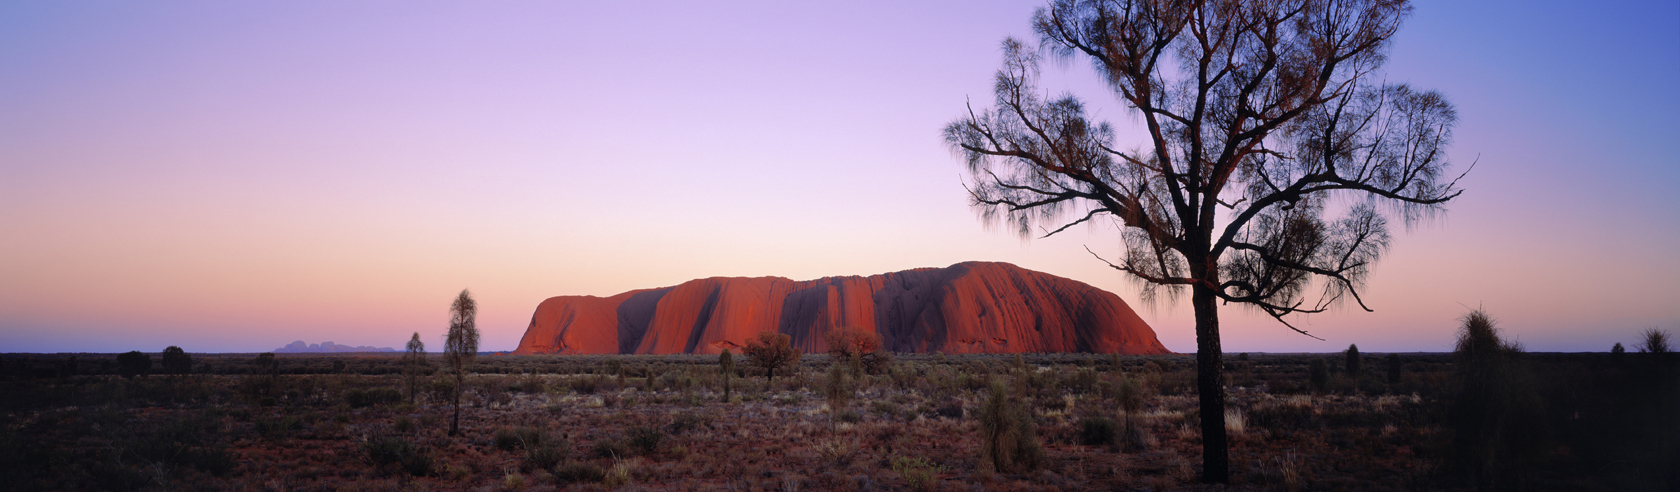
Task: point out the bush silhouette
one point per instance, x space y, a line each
176 361
1353 361
1495 410
133 363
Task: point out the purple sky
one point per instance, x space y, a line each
233 176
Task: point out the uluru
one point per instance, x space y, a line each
970 307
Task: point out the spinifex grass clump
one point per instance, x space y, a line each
1008 440
1494 414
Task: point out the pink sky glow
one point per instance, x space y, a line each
233 176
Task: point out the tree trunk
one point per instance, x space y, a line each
455 423
1210 383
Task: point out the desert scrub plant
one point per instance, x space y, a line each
1494 413
726 365
387 453
133 363
643 438
1098 431
579 472
920 474
1008 439
1318 375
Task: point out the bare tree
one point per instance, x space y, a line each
1261 117
413 361
460 347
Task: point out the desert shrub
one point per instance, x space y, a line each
278 428
546 456
1494 413
358 397
686 421
1393 369
176 361
579 472
837 387
1352 365
920 474
609 448
1098 431
133 363
1318 375
949 408
1008 440
849 416
387 452
405 424
643 438
505 439
884 408
726 366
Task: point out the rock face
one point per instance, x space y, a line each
972 307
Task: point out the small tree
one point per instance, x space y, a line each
771 351
412 363
133 363
1654 341
1259 119
726 363
267 365
176 361
1353 361
859 347
460 347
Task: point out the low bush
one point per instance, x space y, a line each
387 452
579 472
1008 439
1098 431
643 438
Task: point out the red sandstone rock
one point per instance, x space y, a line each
973 307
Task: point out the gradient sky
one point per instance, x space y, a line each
233 176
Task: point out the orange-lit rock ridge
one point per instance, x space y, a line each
973 307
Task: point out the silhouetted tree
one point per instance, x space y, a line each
176 361
460 347
133 363
1260 118
1494 412
1654 341
413 360
771 351
1352 365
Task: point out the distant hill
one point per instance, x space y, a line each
299 347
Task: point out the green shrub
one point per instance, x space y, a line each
1008 439
919 473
